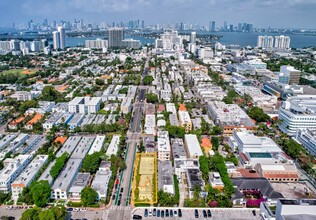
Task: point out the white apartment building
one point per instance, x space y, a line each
13 167
245 141
96 44
127 105
114 145
65 179
307 138
185 120
164 149
298 112
101 179
192 145
170 107
85 105
97 144
150 124
28 175
258 98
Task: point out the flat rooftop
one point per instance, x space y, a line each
65 177
165 173
80 182
97 144
69 145
83 147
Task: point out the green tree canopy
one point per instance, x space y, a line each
91 163
28 104
55 213
59 164
257 114
31 214
88 196
152 98
148 80
49 93
41 192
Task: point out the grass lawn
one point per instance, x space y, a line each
20 71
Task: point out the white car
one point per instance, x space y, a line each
150 212
83 209
76 210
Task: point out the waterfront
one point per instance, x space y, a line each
243 39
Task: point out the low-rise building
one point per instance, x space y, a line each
185 120
28 175
150 124
216 180
69 146
127 105
165 177
97 144
114 145
163 146
13 167
65 179
194 178
75 121
101 179
34 120
178 149
80 182
13 125
192 145
229 117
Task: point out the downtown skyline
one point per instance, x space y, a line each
274 14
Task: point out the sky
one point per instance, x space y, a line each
261 13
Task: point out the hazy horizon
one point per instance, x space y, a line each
268 13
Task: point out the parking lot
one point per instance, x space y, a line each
217 213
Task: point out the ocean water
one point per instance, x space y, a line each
299 40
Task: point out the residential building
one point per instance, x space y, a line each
65 179
192 145
178 149
101 179
194 178
298 112
127 105
13 167
83 147
215 180
34 120
165 177
69 146
150 124
97 144
76 121
85 105
163 146
185 120
114 145
13 125
96 44
80 182
116 36
229 117
28 175
52 120
6 140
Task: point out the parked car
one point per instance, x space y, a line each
146 213
180 212
204 214
158 213
196 213
209 214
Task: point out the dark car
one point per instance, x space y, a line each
158 213
137 217
122 189
69 209
113 197
254 212
154 212
162 213
209 214
146 213
119 202
196 213
171 213
204 214
180 213
167 213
